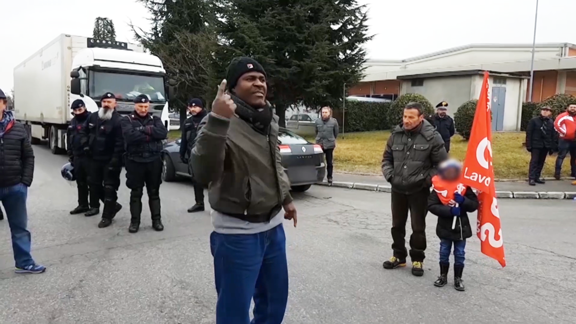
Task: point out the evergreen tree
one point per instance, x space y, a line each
182 37
309 48
104 29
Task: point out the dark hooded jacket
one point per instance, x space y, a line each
16 154
411 157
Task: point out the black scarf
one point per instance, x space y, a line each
196 119
259 119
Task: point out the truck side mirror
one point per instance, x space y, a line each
75 86
74 74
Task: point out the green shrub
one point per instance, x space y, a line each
464 117
558 103
529 110
397 107
363 116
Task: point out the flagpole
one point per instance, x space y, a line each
533 52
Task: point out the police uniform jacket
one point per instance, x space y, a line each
143 137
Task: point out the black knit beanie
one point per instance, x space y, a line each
240 66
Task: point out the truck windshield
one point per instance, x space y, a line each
126 87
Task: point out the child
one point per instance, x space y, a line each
451 201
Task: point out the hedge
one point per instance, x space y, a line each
529 110
397 107
558 103
363 116
464 117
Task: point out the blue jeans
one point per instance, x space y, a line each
565 147
459 251
250 266
14 201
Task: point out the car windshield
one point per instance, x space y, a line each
286 137
126 87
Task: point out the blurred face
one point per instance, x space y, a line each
545 113
441 112
451 174
142 108
252 89
411 118
109 103
572 109
79 111
194 110
325 113
3 104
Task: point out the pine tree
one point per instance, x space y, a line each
309 48
104 29
182 37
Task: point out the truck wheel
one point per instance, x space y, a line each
301 188
53 141
168 171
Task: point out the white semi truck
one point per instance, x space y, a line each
72 67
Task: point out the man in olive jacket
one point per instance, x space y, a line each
412 153
236 154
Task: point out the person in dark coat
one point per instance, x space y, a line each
77 157
451 201
17 165
326 134
409 162
103 142
143 135
189 132
444 124
541 139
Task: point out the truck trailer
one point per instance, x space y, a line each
76 67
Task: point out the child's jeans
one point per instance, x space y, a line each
459 251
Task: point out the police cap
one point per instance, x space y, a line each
108 95
142 98
78 103
443 105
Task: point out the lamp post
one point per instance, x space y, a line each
533 52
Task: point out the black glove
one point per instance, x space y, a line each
529 149
141 129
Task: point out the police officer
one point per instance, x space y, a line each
143 134
101 139
189 131
78 158
444 124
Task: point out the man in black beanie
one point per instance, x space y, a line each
237 153
189 132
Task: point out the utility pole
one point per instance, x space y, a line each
533 52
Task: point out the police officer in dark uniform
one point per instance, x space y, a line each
143 134
444 124
189 131
102 140
78 158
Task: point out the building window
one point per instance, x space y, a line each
418 82
501 81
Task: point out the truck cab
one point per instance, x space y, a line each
106 66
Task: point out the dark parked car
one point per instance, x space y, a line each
302 161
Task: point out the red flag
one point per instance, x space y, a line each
479 174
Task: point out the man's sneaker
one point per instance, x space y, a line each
330 181
92 212
557 176
531 182
196 208
417 268
79 210
33 268
394 263
540 181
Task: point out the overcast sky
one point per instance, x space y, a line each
402 28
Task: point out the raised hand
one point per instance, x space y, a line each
223 105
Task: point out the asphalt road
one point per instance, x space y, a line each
335 259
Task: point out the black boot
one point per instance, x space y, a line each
135 212
443 278
92 212
155 210
79 210
540 181
110 210
196 208
458 283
